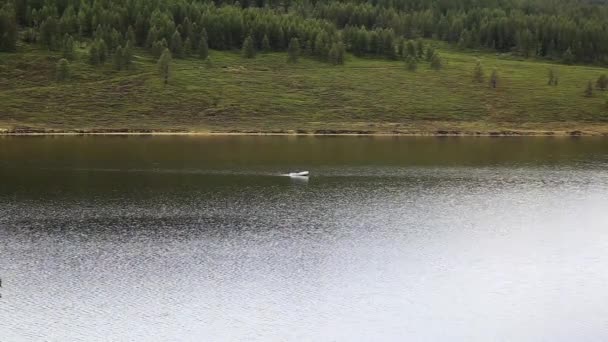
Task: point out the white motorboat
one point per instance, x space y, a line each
298 174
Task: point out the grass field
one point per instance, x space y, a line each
267 94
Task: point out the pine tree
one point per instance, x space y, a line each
280 41
308 48
127 56
465 40
494 78
293 50
401 49
68 47
430 52
187 47
152 37
203 49
94 54
336 54
266 44
158 47
164 65
248 49
602 82
177 46
333 55
8 28
117 59
48 33
391 50
411 63
29 36
410 49
436 62
589 89
568 57
130 35
102 50
420 48
478 74
62 70
341 53
114 41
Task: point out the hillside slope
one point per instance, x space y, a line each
266 94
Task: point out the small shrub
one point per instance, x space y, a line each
62 70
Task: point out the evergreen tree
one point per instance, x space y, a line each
130 35
589 89
127 56
94 54
203 49
411 63
177 46
62 70
332 55
322 46
48 33
436 62
308 48
164 65
29 36
336 54
158 47
430 52
102 50
266 44
248 49
478 74
568 57
401 49
152 37
114 40
279 44
187 47
465 40
525 42
8 28
68 47
573 31
602 82
420 49
494 78
293 50
117 59
410 49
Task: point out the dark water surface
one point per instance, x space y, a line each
391 239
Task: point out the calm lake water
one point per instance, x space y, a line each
391 239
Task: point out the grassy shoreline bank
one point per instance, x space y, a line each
584 130
267 95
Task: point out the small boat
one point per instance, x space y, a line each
298 174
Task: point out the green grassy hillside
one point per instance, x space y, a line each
268 94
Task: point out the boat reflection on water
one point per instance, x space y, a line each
299 179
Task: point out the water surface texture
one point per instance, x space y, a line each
391 239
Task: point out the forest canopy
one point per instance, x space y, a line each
574 31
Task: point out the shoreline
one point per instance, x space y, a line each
329 132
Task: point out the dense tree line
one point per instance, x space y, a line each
573 30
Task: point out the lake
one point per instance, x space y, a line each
192 238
